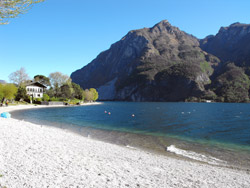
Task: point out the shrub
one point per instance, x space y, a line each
46 97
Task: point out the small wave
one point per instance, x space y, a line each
128 146
196 156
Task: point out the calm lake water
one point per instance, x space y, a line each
215 133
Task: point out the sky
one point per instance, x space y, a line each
63 35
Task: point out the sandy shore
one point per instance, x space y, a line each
40 156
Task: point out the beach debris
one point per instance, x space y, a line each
5 115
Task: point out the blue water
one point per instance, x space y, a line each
224 125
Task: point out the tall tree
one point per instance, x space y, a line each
58 79
21 94
78 91
66 91
42 79
12 8
19 77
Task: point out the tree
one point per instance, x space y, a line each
94 94
19 77
88 96
12 8
1 92
42 79
21 94
46 97
66 91
58 79
78 91
8 91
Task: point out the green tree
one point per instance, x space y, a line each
78 91
94 94
12 8
88 96
46 97
50 92
1 92
21 94
42 79
8 90
66 91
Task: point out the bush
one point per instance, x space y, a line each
46 97
37 101
53 99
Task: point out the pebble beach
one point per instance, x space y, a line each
40 156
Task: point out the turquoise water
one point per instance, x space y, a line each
217 129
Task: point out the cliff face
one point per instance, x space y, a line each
230 44
161 63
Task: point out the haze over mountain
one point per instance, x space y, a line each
163 63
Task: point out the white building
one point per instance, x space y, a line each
35 89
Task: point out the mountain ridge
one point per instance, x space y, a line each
161 63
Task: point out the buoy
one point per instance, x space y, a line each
109 113
105 112
133 115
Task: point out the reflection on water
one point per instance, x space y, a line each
218 129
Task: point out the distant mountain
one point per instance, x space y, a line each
3 82
161 63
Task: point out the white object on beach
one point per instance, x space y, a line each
195 156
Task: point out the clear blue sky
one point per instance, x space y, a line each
63 35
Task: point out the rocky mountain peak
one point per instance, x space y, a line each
230 43
128 70
236 30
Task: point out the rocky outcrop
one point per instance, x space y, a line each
231 43
161 63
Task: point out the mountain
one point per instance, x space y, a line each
161 63
3 82
232 46
231 43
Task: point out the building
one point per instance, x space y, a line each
35 89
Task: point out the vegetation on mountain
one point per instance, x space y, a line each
232 85
127 71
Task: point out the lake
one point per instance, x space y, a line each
215 133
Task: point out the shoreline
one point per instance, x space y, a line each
40 156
